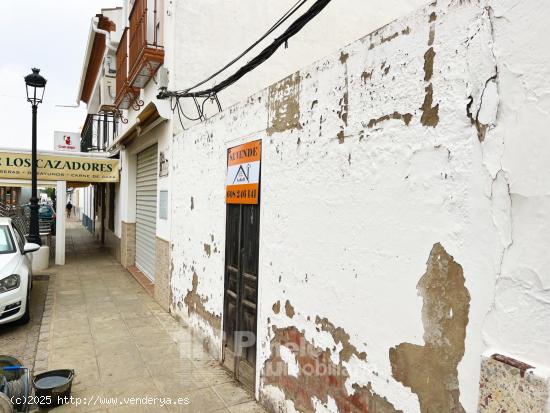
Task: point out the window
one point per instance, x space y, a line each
19 238
6 241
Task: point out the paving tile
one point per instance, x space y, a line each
122 344
232 395
162 362
204 400
133 388
249 407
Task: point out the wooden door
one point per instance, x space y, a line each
241 291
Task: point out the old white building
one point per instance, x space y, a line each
394 256
148 44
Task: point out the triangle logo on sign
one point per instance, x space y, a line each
242 176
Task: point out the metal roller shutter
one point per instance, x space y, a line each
146 211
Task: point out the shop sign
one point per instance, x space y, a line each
59 168
243 173
66 141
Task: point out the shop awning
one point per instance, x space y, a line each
152 114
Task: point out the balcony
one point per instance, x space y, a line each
146 54
123 98
99 132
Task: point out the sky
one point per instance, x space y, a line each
51 35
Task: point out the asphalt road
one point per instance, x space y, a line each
21 341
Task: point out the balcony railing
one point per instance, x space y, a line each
146 52
99 132
122 100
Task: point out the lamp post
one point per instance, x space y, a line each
35 93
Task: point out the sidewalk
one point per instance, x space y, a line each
100 322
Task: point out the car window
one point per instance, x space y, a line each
6 241
19 238
44 210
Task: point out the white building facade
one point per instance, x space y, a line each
150 44
395 259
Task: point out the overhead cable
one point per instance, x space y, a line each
279 22
264 55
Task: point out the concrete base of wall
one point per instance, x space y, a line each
508 385
128 244
112 243
163 293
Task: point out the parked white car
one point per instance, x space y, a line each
15 274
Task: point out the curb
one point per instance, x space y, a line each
43 347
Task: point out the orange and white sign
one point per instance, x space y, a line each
243 173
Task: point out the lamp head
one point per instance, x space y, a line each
36 85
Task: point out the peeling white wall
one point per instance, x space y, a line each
201 37
210 33
518 151
351 208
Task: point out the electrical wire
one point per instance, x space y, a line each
264 55
277 24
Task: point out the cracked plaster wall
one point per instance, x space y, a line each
238 25
352 205
516 154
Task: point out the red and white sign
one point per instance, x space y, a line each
243 173
66 141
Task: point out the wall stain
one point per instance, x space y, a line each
429 64
430 371
430 114
196 304
344 101
432 35
480 127
340 337
344 107
192 204
406 117
289 309
341 137
403 32
344 57
318 376
366 76
277 307
208 249
284 105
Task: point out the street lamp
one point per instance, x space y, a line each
35 93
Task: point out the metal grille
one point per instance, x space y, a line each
19 215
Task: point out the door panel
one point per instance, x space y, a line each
241 291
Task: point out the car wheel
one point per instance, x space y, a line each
27 316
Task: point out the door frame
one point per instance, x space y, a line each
236 359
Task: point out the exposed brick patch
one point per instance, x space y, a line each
318 377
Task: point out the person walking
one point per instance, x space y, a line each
69 209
